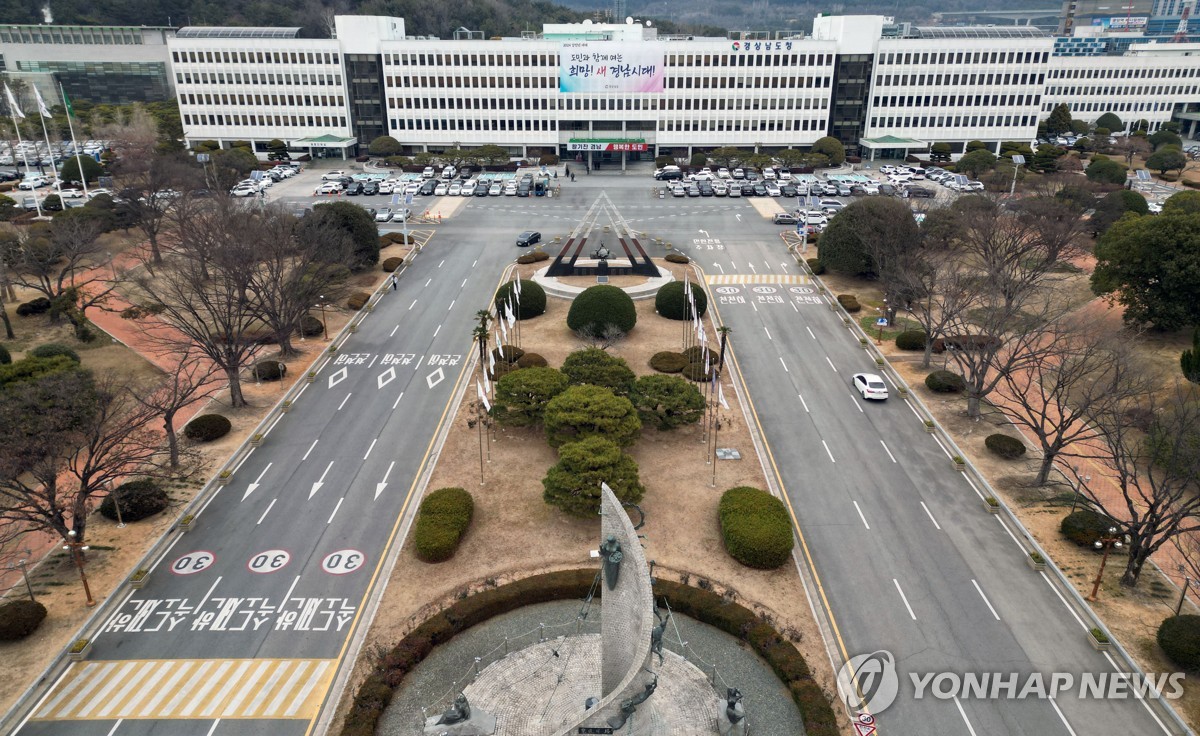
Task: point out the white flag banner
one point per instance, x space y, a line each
510 315
483 397
687 288
503 332
41 103
492 361
517 288
706 365
721 398
487 385
12 103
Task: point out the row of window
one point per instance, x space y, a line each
664 126
101 35
1100 107
1173 91
278 99
492 61
957 101
965 57
321 80
724 82
1124 73
256 57
277 121
921 80
1110 106
954 121
747 82
567 103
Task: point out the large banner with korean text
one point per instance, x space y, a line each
611 66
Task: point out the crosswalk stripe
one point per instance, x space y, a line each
757 279
190 688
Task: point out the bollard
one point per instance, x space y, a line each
477 660
541 633
506 646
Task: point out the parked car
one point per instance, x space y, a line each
920 192
843 190
529 237
482 189
784 218
428 173
329 187
832 206
788 190
71 193
496 190
245 191
383 215
738 174
870 386
355 189
455 190
468 188
333 175
441 189
428 187
33 182
773 189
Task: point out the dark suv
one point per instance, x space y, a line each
371 187
529 237
355 188
919 192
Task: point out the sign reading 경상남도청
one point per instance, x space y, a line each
611 66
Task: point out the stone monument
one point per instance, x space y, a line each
461 720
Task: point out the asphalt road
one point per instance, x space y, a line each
242 626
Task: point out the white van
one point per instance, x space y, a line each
428 173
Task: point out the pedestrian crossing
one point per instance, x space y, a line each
752 278
189 688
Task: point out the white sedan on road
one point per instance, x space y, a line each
870 386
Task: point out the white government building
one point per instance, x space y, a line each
622 91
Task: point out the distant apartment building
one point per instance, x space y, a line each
620 91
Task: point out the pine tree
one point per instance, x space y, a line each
1059 121
1190 360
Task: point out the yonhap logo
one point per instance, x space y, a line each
868 682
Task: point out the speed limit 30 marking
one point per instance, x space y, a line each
193 562
343 561
268 561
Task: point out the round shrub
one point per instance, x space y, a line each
573 483
849 302
384 241
696 372
1085 526
601 309
207 427
596 367
391 264
676 258
815 265
5 356
531 304
911 340
756 527
532 360
358 300
696 354
138 499
533 256
41 305
500 370
20 618
1009 448
311 326
401 238
507 353
269 370
52 349
670 301
1179 637
590 411
668 362
442 519
945 382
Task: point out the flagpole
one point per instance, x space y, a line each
42 113
74 143
15 111
716 428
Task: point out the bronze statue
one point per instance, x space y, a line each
656 635
459 711
629 705
610 552
733 705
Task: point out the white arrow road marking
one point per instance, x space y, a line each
254 486
435 378
386 377
317 486
719 266
752 268
703 232
383 484
738 216
337 377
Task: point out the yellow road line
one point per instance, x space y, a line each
162 689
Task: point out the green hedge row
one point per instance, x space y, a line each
442 520
755 527
705 606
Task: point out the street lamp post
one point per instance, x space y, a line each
1076 485
1105 543
1182 594
24 574
117 504
77 549
324 326
1017 161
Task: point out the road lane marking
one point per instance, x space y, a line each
394 331
373 359
930 515
372 447
794 307
831 365
768 265
985 599
410 306
1009 533
430 281
761 278
397 403
310 449
463 284
752 304
768 333
963 713
810 332
885 449
1061 717
474 262
857 404
345 400
435 332
442 263
752 268
118 725
213 730
335 510
264 515
803 403
321 481
827 452
785 368
451 307
861 516
905 599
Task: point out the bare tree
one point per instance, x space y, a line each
87 436
191 381
1155 471
1079 369
1127 147
149 192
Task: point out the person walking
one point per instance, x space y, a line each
394 284
568 170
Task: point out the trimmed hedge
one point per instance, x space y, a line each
52 349
139 499
696 353
269 370
532 360
1179 637
815 265
533 256
391 264
358 300
755 527
1085 527
676 258
600 309
703 605
597 367
670 301
207 427
311 326
20 618
945 382
669 362
911 340
695 372
507 353
442 519
849 302
401 239
532 303
1009 448
41 305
